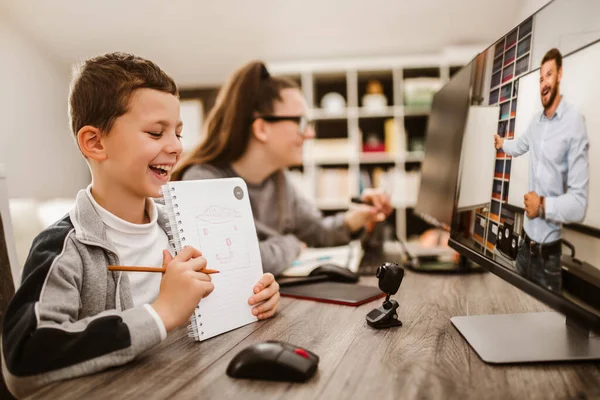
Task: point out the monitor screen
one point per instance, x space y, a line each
444 139
579 85
546 147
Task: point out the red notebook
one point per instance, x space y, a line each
348 294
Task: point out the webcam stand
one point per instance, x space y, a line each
384 316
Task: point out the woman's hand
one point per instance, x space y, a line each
376 208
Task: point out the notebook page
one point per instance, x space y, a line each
348 256
216 218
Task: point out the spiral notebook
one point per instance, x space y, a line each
214 216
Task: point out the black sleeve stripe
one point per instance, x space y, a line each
30 349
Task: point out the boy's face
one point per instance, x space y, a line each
144 144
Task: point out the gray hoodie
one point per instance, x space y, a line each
71 316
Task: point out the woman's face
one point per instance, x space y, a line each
285 140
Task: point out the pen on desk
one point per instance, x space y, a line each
151 269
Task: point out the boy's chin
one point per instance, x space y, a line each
155 192
152 190
295 162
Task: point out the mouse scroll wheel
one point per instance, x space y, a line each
302 353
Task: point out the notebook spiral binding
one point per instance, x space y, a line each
175 234
177 241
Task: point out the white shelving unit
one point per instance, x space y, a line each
349 77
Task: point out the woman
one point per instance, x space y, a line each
256 131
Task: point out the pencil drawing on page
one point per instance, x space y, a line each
222 239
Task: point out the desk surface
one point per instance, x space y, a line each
426 358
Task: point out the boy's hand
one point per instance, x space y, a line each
182 287
267 290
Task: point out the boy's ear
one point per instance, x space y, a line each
89 140
259 130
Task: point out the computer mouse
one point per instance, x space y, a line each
335 273
274 361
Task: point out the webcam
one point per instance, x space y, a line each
390 277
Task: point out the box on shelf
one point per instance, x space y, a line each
418 92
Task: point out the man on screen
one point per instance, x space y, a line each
557 142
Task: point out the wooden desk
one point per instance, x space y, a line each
426 358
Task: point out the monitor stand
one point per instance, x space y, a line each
528 337
432 265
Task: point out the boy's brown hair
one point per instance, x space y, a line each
102 86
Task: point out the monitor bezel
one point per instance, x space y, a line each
586 318
430 219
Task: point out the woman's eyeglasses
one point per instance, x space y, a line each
303 122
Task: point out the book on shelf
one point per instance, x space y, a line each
333 184
380 178
403 188
407 190
331 150
390 136
365 181
418 92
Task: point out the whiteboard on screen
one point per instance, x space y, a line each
477 157
580 86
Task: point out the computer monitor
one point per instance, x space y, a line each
498 235
443 142
452 118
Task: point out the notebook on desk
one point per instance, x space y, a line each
348 256
214 216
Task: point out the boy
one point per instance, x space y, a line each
71 316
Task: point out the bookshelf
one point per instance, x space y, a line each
509 59
358 146
337 150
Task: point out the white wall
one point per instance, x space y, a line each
528 8
8 230
566 25
40 157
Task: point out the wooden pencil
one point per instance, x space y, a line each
151 269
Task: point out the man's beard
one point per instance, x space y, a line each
553 93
